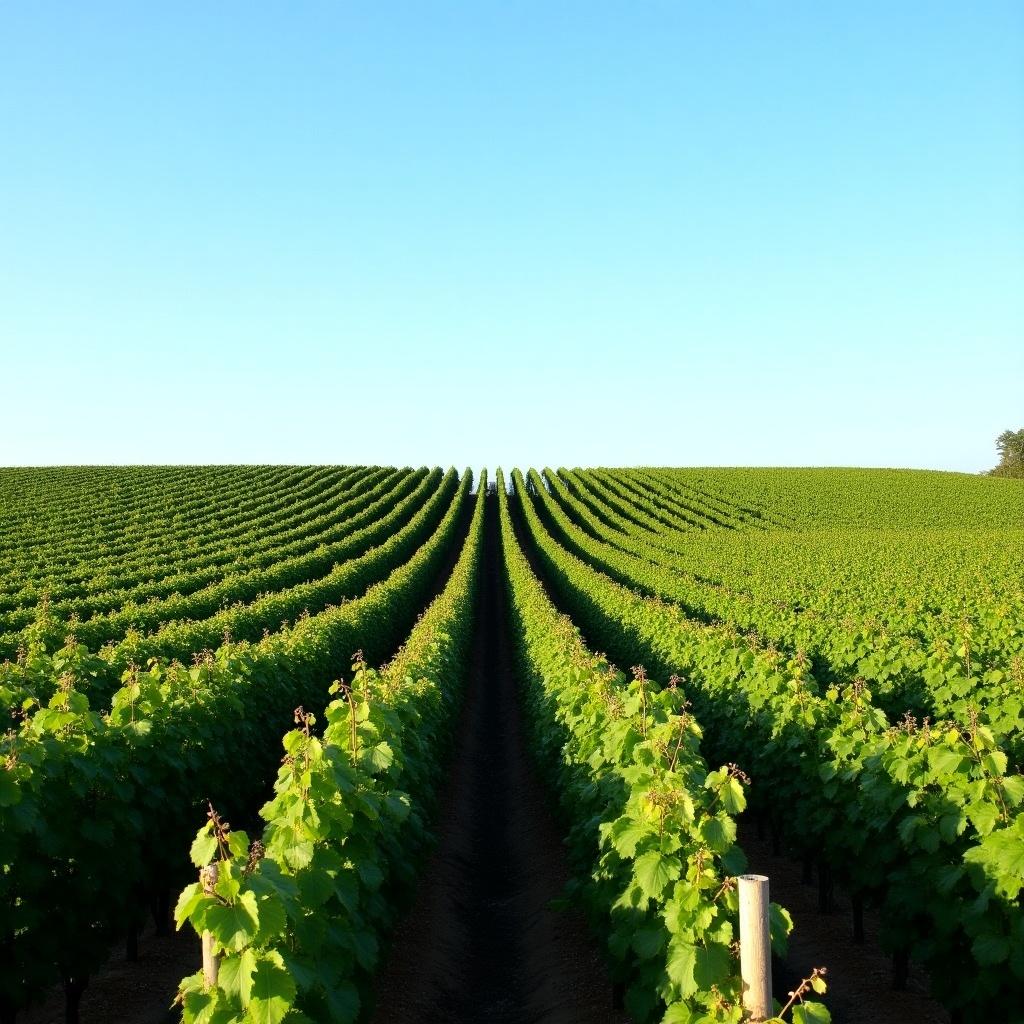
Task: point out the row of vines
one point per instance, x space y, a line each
848 670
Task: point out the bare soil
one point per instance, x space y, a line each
124 992
480 942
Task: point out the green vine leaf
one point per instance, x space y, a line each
271 994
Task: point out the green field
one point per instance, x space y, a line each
836 655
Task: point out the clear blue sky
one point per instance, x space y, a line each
518 233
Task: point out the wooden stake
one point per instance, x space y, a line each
208 879
755 946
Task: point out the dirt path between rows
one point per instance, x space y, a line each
480 942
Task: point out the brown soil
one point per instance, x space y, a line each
130 993
859 974
480 942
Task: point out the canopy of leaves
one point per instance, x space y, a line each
1011 454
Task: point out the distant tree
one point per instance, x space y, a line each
1011 454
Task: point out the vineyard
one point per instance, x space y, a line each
412 745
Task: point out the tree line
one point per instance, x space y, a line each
1010 445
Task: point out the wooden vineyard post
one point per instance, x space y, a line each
208 879
755 946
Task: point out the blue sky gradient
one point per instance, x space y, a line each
516 233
